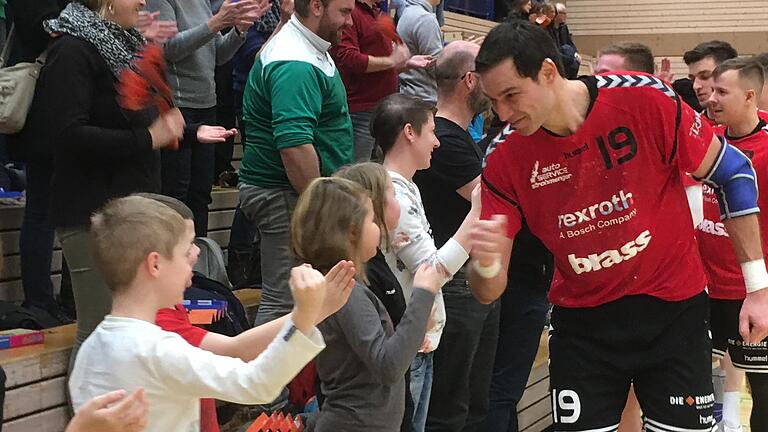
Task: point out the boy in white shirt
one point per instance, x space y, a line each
145 252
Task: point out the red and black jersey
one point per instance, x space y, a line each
719 129
608 200
722 268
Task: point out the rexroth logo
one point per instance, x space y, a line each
599 261
618 203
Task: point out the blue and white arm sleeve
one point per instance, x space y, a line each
735 182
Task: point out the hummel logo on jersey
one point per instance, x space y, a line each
500 138
551 174
599 261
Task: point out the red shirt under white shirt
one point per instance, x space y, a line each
722 268
608 200
176 320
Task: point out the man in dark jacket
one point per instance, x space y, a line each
571 57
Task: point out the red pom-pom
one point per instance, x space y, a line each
132 91
386 26
144 84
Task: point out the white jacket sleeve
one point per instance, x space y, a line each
201 374
414 245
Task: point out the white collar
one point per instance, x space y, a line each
316 41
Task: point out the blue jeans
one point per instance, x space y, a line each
421 389
463 363
523 313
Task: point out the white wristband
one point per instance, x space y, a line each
755 275
487 272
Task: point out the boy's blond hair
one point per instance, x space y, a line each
128 229
327 224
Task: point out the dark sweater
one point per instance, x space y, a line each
385 285
30 39
362 368
100 151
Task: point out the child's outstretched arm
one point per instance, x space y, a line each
250 344
414 245
196 373
389 357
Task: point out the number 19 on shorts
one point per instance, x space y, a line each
566 406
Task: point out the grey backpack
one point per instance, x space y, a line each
210 262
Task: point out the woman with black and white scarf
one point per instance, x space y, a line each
100 150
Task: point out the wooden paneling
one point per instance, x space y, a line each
669 28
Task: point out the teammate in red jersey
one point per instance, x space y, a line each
702 61
762 105
593 165
738 85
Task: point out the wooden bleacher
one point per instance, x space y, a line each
221 212
677 65
463 27
534 411
669 28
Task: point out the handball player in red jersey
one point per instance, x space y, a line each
593 165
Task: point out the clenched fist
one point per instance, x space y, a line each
308 290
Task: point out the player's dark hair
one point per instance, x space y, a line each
637 57
526 44
747 68
302 6
761 58
392 114
720 51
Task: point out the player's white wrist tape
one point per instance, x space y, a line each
487 272
755 275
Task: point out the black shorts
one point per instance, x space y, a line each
662 347
726 337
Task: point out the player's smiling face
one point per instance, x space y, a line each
700 73
520 101
730 100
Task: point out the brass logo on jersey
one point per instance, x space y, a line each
610 257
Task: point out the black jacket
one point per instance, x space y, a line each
100 150
30 38
566 38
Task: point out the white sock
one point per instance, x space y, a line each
731 409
